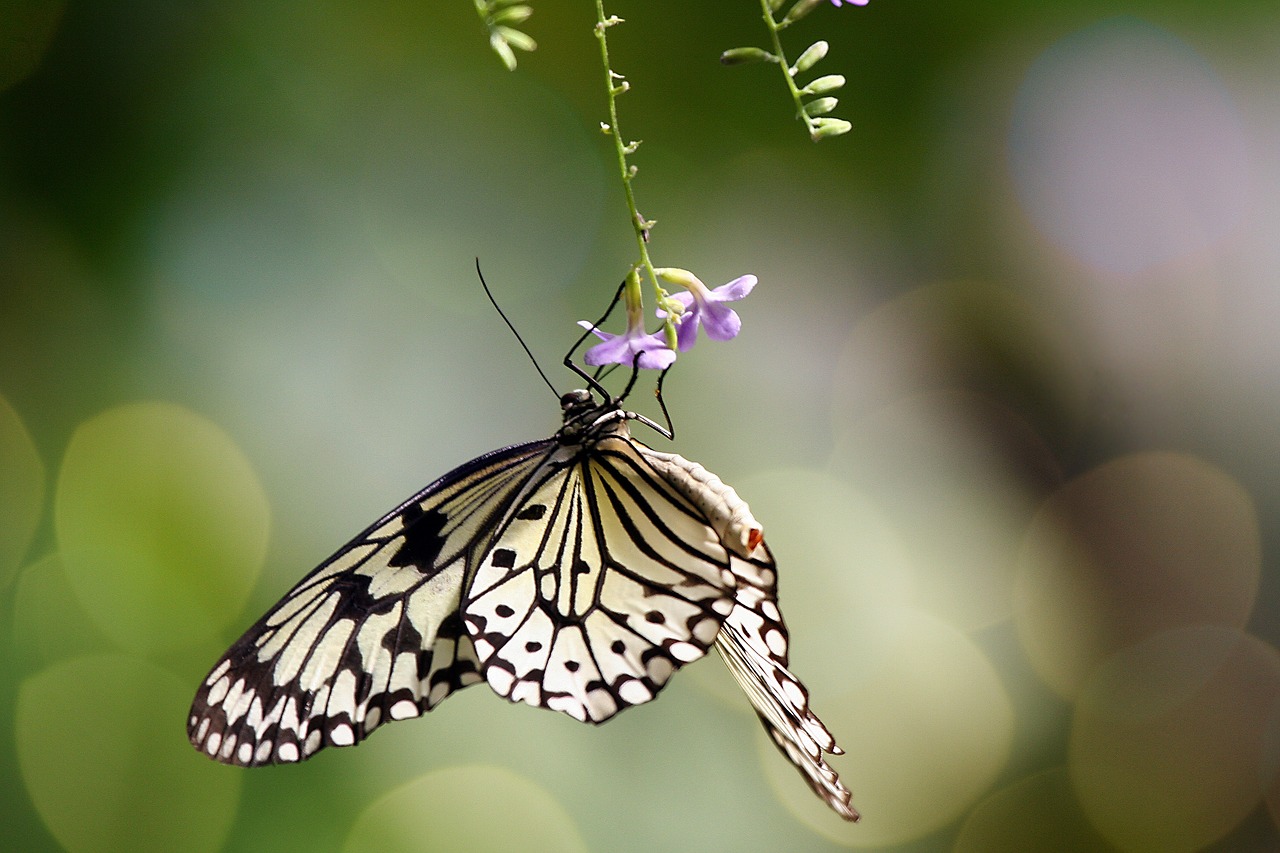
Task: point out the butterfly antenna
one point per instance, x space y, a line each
502 314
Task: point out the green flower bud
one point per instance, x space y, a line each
810 57
511 15
798 11
825 127
746 56
820 107
500 47
821 85
516 38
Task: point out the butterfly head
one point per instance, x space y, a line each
586 419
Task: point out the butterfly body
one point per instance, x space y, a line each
576 573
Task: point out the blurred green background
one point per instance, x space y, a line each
1005 400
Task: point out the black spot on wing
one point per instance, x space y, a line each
532 512
420 543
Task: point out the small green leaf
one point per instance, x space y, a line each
822 85
746 56
812 54
825 127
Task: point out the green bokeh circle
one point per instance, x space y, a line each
103 756
22 484
161 524
476 808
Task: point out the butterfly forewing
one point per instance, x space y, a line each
371 635
618 583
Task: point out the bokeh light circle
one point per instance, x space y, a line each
1138 545
940 463
1039 813
924 739
476 808
22 484
1127 150
104 759
161 524
965 334
1167 749
49 624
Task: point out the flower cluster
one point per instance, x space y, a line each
815 111
501 18
703 307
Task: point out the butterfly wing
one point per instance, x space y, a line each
753 644
603 581
371 635
753 640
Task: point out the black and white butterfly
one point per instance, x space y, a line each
576 573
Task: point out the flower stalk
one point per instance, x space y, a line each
615 85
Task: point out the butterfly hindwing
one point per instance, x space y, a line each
373 634
602 583
754 645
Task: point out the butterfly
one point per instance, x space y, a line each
576 573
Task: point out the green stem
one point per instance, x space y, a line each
785 65
624 169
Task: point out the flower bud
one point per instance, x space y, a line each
820 106
810 57
746 56
822 85
500 47
669 333
517 39
511 15
798 11
825 127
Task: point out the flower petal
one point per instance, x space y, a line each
687 331
657 359
734 290
622 349
721 323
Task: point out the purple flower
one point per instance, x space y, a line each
850 2
622 349
706 307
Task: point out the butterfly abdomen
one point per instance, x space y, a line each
727 513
